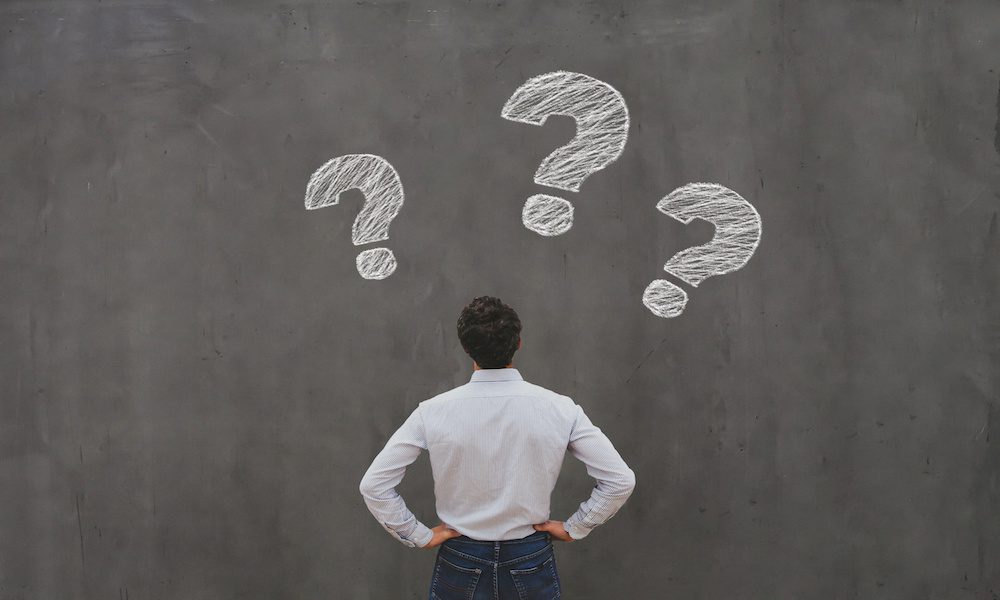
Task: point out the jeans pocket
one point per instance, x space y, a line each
453 582
540 582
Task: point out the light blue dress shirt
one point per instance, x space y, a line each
496 447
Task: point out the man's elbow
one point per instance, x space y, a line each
365 487
628 482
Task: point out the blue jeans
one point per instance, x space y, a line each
468 569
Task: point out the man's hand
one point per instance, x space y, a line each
441 533
555 528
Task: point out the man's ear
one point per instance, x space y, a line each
518 342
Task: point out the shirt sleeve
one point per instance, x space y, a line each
615 480
378 486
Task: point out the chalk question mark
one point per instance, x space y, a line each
601 132
737 233
383 192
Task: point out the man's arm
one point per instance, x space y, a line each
615 480
378 486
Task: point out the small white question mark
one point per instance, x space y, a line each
383 191
602 124
737 234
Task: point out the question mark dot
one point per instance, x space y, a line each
547 215
377 263
664 298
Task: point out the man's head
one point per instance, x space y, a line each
490 332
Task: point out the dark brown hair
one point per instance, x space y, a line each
489 331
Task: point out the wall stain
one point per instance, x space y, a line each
996 129
79 526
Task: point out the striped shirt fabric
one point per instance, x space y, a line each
496 447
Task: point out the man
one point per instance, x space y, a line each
496 447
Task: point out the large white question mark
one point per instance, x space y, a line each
737 233
602 129
383 192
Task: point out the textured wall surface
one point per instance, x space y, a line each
194 378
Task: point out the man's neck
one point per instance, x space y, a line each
476 367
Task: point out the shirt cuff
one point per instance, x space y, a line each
422 535
576 532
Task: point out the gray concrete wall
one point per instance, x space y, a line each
193 377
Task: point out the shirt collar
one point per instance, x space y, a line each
495 375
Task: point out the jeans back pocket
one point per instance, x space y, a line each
454 582
540 582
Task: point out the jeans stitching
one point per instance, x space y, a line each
555 577
475 584
522 592
476 559
496 570
470 592
534 569
527 556
462 569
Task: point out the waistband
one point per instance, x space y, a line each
538 535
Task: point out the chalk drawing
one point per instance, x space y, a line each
602 125
664 298
379 182
737 234
547 215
